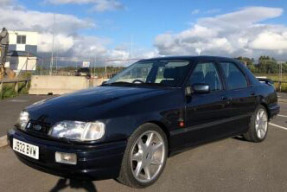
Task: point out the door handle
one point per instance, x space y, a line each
226 99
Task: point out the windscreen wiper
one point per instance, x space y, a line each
118 83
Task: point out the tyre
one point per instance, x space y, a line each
145 157
258 126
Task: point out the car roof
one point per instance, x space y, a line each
188 58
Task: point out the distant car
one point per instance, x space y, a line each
83 72
126 128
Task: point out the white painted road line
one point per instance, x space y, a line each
282 116
3 141
278 126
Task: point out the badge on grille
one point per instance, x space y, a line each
37 127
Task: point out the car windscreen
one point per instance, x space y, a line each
160 73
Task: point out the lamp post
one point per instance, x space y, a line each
280 74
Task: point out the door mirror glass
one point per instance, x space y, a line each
200 88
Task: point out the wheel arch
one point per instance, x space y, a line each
265 105
165 130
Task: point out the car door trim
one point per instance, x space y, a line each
207 125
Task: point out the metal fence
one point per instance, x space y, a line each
280 86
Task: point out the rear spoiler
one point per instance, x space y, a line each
265 80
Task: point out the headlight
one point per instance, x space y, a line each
78 131
23 119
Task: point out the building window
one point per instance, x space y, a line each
21 39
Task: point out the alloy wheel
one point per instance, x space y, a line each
147 156
261 123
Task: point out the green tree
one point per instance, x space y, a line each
267 65
249 62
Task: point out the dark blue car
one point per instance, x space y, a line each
126 128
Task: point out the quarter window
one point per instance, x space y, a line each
234 76
206 73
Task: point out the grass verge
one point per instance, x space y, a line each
8 90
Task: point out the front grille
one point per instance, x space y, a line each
37 127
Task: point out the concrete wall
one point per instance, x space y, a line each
42 85
97 82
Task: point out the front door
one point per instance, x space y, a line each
206 114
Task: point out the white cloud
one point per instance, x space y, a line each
233 34
5 2
67 40
69 44
212 11
195 11
62 42
40 21
98 5
90 46
269 40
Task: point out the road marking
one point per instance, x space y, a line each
278 126
3 141
282 116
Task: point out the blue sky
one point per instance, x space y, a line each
112 28
141 21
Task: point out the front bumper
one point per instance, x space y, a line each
95 162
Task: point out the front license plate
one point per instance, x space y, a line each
26 149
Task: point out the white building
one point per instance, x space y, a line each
22 54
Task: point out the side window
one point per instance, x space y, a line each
235 77
206 73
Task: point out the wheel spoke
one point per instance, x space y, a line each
257 125
149 139
137 157
259 133
261 114
141 145
147 172
138 169
155 162
156 147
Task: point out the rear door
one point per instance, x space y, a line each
241 93
206 114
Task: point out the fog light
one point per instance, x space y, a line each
66 158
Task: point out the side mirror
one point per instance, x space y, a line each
200 88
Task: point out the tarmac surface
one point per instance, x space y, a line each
226 165
10 109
